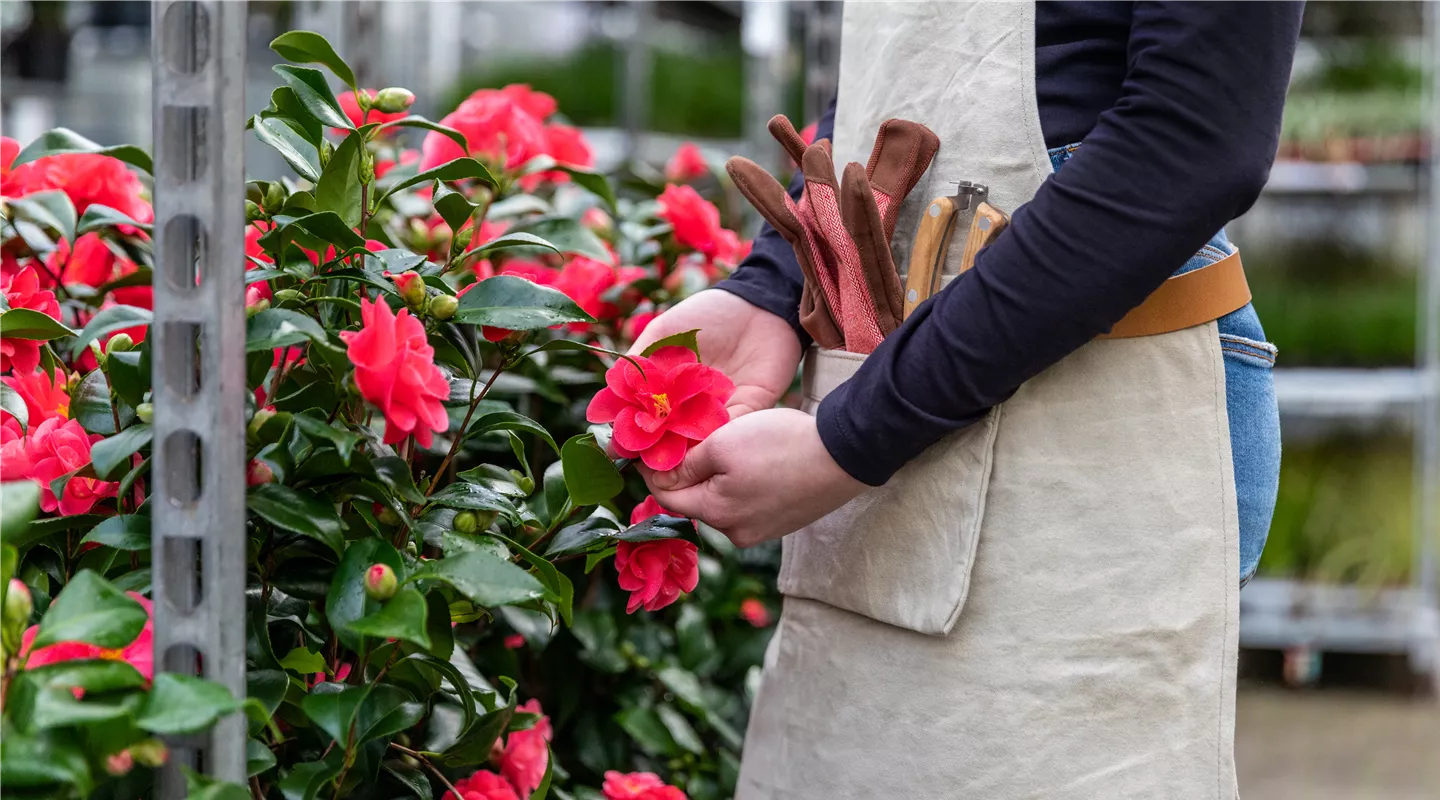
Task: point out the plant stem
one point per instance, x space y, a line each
460 434
425 762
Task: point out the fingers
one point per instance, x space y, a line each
862 221
699 466
903 151
785 134
766 194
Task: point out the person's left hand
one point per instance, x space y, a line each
757 478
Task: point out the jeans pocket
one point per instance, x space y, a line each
901 553
1254 440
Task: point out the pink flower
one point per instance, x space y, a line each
754 612
499 126
90 263
351 107
140 653
58 447
659 414
687 164
22 290
44 394
636 323
483 785
527 752
807 133
514 641
120 763
657 571
14 460
88 179
638 786
696 222
258 473
395 371
649 507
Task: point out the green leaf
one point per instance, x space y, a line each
412 778
338 189
303 661
184 704
685 339
334 710
472 496
437 625
452 206
282 138
64 140
416 121
488 581
90 405
280 327
43 760
511 421
588 534
394 472
404 616
680 728
459 169
304 781
457 681
14 405
507 241
98 217
91 610
314 94
27 323
57 706
647 731
507 301
307 47
109 455
258 758
369 712
128 532
301 512
129 375
50 209
346 601
343 440
324 225
590 475
554 579
591 181
566 234
99 676
543 790
109 320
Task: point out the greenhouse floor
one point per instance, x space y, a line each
1334 744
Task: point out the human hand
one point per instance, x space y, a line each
757 478
756 349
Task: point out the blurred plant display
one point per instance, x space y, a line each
1364 104
455 588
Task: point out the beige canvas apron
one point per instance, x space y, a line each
1042 605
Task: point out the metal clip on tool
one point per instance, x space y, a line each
932 241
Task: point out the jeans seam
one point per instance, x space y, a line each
1263 357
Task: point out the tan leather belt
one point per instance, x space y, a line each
1193 298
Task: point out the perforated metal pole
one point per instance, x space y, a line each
198 341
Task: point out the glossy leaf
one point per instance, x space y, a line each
27 323
568 235
107 321
416 121
90 405
14 405
338 189
314 94
282 138
456 170
514 303
471 496
280 327
64 140
554 579
51 209
90 609
404 616
98 217
343 440
128 532
346 600
308 47
590 475
452 206
109 455
511 421
686 339
488 581
301 512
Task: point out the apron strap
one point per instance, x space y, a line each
1192 298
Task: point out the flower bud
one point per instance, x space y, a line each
258 473
411 288
73 383
119 343
394 99
253 212
380 582
461 240
326 150
145 412
525 482
387 516
150 752
465 522
275 197
367 169
251 309
258 421
120 763
443 306
18 605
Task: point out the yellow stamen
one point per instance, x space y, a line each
662 404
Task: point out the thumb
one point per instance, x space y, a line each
697 467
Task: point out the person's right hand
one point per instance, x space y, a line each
756 349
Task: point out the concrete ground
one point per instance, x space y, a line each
1334 744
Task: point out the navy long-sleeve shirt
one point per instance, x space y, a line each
1178 105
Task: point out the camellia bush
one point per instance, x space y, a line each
455 586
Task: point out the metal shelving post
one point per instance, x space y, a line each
1427 423
198 340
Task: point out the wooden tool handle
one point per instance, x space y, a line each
931 242
988 223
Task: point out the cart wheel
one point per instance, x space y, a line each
1302 666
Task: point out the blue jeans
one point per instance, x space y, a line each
1249 402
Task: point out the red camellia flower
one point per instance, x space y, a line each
22 290
90 263
754 612
483 785
44 394
14 460
527 752
87 179
351 107
659 414
656 572
697 223
650 507
139 654
687 164
499 126
395 371
58 447
638 786
635 324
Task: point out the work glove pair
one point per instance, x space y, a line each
841 231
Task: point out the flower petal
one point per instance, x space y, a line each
698 417
667 453
605 406
631 436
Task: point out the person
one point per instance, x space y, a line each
1014 544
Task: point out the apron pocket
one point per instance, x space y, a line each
899 553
